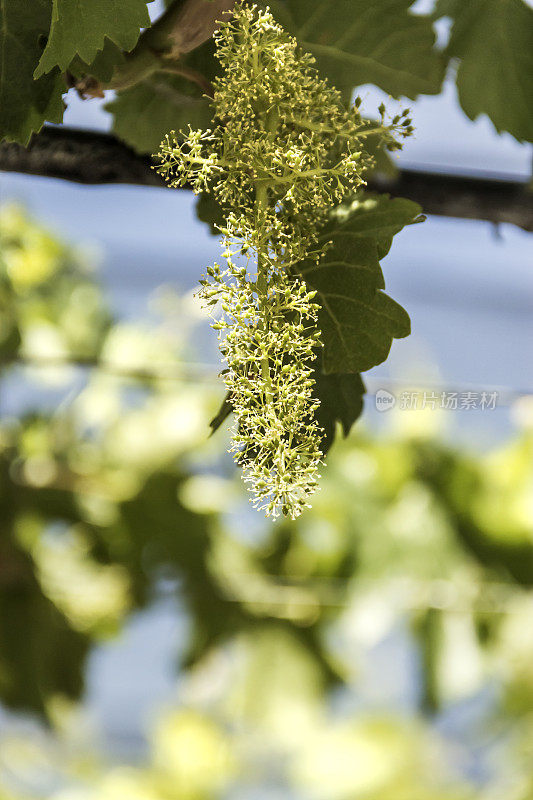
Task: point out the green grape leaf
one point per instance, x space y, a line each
341 400
378 216
209 210
357 319
381 42
103 65
494 41
162 102
26 104
80 27
358 334
146 112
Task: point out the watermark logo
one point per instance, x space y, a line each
384 400
449 401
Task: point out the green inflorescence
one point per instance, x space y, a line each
283 151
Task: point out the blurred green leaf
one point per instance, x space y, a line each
463 486
40 654
380 42
494 41
26 104
121 489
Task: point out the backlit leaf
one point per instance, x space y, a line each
494 40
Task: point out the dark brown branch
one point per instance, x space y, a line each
79 156
99 158
493 200
185 26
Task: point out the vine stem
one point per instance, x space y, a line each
261 201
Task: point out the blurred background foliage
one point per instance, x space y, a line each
378 648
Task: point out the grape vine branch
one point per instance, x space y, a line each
91 157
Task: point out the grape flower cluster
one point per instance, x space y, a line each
282 152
